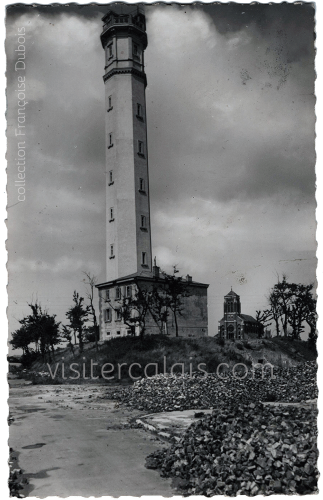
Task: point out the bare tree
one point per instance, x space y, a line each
77 316
292 304
264 317
41 328
170 293
90 282
133 309
67 335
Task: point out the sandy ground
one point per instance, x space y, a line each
71 442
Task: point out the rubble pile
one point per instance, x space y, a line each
248 449
17 481
174 392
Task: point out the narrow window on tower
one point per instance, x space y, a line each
139 112
143 223
110 52
111 214
111 252
135 51
110 141
141 150
111 181
110 103
142 185
143 258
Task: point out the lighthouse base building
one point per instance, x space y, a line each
192 319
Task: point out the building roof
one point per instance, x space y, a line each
145 276
246 317
124 278
123 9
232 294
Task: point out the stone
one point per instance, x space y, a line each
277 486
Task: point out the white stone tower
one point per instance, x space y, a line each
128 235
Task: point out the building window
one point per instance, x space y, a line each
118 293
110 141
118 315
118 332
107 315
135 51
110 52
142 185
108 333
110 103
230 330
143 222
111 181
144 258
107 295
128 291
111 252
141 150
129 332
139 111
111 214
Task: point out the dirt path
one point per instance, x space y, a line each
71 442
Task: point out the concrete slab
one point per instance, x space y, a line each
172 424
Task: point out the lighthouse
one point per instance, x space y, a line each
129 266
128 234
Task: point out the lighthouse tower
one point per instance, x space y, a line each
128 235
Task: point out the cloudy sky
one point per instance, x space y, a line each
230 113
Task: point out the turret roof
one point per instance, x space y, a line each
231 294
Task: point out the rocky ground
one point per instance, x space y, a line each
18 483
246 446
245 450
167 393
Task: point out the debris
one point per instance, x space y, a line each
230 452
177 392
245 447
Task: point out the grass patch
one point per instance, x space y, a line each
302 348
152 352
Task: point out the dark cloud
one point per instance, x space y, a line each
233 17
56 10
239 107
271 175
